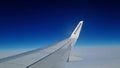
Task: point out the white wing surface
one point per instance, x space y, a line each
55 56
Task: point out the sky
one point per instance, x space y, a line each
33 24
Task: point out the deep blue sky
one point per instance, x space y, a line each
32 24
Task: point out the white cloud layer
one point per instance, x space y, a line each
96 57
92 57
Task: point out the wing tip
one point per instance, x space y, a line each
81 21
77 30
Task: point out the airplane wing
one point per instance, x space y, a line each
55 56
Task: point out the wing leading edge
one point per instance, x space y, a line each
55 56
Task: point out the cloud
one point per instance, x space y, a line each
96 57
93 57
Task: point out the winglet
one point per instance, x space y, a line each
77 30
